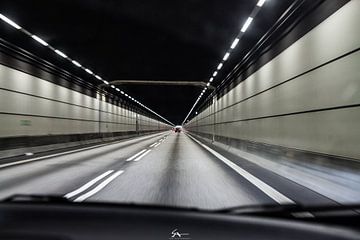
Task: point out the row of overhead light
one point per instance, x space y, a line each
247 23
76 63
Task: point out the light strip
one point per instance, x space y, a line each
88 71
246 24
60 53
260 3
9 21
36 38
235 42
226 56
76 63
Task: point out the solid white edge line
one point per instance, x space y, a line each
48 156
268 190
132 157
60 154
87 185
142 155
98 187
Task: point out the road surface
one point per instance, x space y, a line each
166 168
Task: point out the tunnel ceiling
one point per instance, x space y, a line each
182 40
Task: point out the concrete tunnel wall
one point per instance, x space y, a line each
30 106
306 98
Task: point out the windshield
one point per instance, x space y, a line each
206 104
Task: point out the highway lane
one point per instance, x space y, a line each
167 168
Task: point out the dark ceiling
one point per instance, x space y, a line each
145 40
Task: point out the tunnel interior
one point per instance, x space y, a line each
263 93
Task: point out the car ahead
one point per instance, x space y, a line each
50 217
177 129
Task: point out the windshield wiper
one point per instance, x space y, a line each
36 198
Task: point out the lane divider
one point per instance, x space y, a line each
142 155
153 144
143 152
99 187
265 188
87 185
134 156
5 165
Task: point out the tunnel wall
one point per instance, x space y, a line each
39 109
306 98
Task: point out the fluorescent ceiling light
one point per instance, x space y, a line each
106 82
219 66
260 3
76 63
117 89
88 71
126 95
226 56
208 84
122 92
215 73
98 77
235 42
10 22
36 38
211 79
246 24
60 53
112 86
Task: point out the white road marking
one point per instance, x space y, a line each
87 185
142 155
98 187
48 156
268 190
153 144
56 154
156 145
132 157
29 154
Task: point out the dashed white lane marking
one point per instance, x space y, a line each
87 185
132 157
142 155
268 190
54 155
156 145
98 187
153 144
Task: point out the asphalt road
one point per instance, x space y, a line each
167 169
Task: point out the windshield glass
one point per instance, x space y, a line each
206 104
